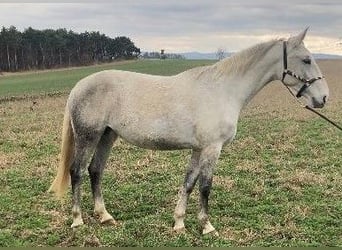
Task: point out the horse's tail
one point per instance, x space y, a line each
60 185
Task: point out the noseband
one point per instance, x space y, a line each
307 82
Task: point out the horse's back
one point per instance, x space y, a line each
106 80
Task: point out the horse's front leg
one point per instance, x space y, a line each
188 185
207 162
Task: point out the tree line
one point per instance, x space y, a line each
44 49
158 55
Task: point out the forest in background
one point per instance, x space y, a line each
49 48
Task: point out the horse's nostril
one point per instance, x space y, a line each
324 99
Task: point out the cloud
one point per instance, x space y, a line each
233 43
201 25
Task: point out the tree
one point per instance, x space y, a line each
123 48
220 53
50 48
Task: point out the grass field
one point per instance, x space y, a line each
61 81
278 184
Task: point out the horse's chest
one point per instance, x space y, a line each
222 131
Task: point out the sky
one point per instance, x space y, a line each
187 25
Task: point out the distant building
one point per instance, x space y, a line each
162 54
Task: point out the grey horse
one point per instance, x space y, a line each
197 109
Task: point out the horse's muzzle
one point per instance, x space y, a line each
319 103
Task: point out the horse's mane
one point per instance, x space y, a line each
245 59
239 63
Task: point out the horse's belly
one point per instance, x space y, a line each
159 143
157 138
155 131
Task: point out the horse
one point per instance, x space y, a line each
197 109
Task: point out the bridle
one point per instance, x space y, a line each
307 82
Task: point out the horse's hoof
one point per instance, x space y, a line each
209 229
77 223
213 233
109 221
179 230
105 218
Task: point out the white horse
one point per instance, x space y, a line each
197 109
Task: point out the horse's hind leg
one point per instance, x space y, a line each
189 183
82 150
96 171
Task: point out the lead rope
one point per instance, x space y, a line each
313 110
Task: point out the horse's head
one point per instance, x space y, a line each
302 74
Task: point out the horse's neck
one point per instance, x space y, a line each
243 79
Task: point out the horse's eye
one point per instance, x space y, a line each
307 61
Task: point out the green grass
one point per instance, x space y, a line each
278 184
36 83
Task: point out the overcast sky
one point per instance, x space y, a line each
187 25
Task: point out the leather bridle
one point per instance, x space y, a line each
307 82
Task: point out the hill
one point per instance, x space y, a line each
194 55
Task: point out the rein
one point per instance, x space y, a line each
314 111
307 83
324 117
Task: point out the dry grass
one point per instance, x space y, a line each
299 178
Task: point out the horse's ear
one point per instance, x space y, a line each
297 40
